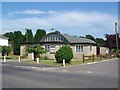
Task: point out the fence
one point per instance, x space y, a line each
92 57
99 57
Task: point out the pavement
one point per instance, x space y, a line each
95 75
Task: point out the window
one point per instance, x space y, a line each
47 38
90 48
79 48
55 37
47 47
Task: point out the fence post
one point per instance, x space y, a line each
4 58
110 56
19 59
63 62
106 56
93 57
83 58
100 57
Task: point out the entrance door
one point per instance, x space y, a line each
98 50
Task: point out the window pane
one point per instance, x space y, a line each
47 47
79 48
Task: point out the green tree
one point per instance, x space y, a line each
90 37
64 52
29 35
40 33
100 41
37 50
18 39
10 36
6 50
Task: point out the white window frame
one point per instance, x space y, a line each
49 47
80 51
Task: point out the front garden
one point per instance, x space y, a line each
64 52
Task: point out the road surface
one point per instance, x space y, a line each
100 75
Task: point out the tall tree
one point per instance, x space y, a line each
29 35
10 36
18 38
111 41
90 37
100 41
40 33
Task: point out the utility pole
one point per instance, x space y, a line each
116 36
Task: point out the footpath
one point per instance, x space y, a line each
28 66
42 67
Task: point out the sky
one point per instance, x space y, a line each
73 18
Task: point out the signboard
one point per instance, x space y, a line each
52 49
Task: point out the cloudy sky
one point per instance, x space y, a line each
78 18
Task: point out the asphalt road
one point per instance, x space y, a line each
100 75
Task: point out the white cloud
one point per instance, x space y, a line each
33 11
73 22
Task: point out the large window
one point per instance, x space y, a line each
47 47
79 48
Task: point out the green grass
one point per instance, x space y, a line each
52 62
10 57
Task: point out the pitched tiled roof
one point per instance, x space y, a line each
73 39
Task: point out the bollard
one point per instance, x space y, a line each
63 62
37 60
4 58
19 59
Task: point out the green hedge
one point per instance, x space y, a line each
64 52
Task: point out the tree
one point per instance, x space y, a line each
29 35
15 39
10 36
100 41
40 33
6 50
37 50
64 52
111 41
90 37
18 39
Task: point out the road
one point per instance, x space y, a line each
100 75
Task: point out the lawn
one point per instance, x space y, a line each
12 57
52 62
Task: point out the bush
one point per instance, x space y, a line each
6 50
64 52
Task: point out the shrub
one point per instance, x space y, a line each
37 50
6 50
64 52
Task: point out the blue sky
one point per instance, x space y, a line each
78 18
